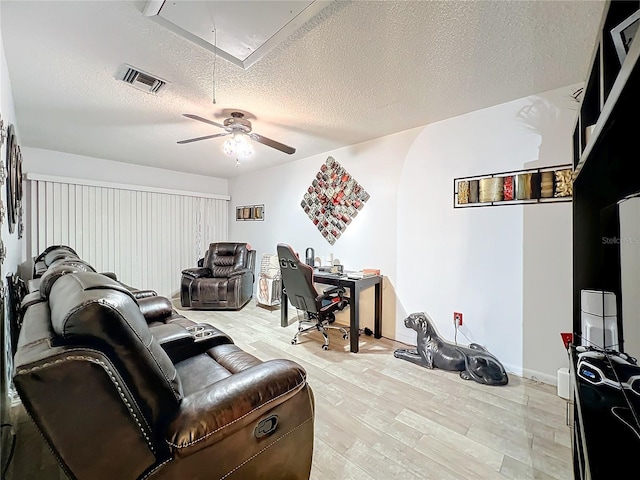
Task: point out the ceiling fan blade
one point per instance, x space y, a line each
272 143
200 119
204 138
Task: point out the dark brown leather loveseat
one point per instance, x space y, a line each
223 279
126 388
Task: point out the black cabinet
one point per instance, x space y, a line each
606 143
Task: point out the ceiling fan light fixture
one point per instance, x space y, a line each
238 146
241 130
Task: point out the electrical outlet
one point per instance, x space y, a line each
457 319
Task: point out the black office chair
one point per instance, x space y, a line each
318 308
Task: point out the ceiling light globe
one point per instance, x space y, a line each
244 149
229 147
240 138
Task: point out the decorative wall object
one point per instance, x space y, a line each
491 189
563 186
333 200
536 185
463 192
250 212
13 158
10 168
3 212
3 131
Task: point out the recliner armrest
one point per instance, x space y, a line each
240 271
197 272
181 342
155 308
139 294
217 411
169 334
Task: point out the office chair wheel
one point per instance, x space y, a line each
345 336
293 341
325 347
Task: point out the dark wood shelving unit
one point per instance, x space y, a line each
606 170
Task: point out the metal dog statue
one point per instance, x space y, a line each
473 362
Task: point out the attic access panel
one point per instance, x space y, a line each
241 32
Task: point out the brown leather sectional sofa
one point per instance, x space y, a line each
127 388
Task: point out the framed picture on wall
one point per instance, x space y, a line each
250 212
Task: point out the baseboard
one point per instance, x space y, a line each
406 338
541 377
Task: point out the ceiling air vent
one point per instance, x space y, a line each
141 80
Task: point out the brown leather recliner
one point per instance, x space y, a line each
120 396
223 279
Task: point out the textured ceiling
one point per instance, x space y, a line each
357 71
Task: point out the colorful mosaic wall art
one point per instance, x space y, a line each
333 200
539 185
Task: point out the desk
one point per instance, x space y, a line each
354 286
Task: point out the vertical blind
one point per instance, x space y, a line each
145 237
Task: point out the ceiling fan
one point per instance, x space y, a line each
239 127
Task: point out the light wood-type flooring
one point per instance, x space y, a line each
378 417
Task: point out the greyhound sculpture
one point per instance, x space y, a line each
473 362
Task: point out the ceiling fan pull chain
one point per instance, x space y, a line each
215 61
215 56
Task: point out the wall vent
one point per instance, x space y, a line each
141 80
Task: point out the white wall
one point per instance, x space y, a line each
61 164
7 110
493 264
368 242
484 262
14 250
547 249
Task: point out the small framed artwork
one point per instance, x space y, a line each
623 35
249 212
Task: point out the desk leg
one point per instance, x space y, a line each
354 330
377 322
284 309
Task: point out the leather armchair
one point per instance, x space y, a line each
223 280
118 396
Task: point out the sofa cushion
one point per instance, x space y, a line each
90 309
